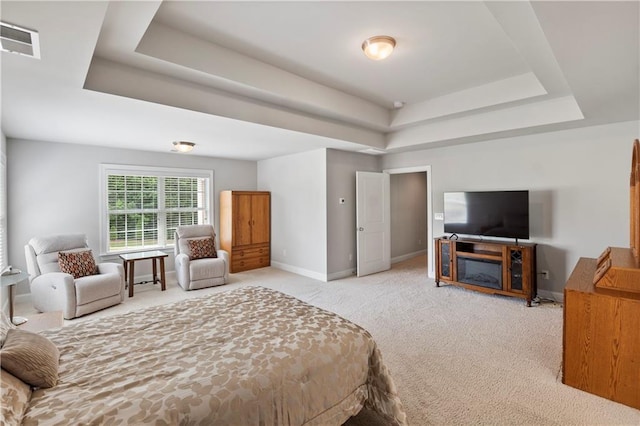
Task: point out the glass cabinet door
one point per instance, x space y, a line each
444 259
517 257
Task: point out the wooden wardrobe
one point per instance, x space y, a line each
245 228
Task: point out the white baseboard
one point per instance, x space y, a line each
553 295
336 275
407 256
300 271
341 274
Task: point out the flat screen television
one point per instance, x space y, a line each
487 213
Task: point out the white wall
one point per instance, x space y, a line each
341 218
298 185
54 188
579 183
408 193
4 292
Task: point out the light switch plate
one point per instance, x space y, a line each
438 216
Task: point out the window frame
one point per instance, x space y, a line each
122 169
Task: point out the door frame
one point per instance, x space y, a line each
430 248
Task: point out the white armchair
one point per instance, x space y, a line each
52 290
193 274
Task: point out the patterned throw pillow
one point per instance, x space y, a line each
201 248
77 263
31 357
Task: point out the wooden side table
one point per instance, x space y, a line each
43 321
129 261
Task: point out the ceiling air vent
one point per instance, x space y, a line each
15 39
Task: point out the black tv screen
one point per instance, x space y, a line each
487 213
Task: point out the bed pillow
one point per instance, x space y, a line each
201 248
77 263
31 357
5 326
15 395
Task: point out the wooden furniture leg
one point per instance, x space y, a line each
155 271
131 268
163 282
124 265
11 303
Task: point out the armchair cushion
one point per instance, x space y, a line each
56 243
45 250
202 248
97 287
77 263
185 233
206 268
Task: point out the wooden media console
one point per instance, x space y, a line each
496 267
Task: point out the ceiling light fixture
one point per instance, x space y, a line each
378 47
183 146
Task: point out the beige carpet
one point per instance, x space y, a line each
457 356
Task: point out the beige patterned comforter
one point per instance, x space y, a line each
251 356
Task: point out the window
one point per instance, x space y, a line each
143 206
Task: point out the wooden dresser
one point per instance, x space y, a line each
245 228
601 336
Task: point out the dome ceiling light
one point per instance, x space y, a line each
183 146
378 47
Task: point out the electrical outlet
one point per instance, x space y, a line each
545 275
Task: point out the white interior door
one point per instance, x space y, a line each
373 222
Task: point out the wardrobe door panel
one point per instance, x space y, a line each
242 220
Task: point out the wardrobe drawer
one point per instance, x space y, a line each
245 264
250 253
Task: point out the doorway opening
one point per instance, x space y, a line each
411 215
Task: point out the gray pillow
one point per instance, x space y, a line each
30 357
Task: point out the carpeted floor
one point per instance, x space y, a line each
457 356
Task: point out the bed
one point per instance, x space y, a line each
251 356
